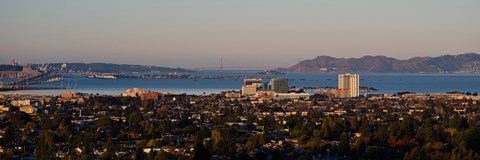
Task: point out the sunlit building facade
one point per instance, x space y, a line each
348 85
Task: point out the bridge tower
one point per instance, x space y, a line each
221 64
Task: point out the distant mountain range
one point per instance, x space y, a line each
463 63
114 68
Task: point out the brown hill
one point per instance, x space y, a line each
463 63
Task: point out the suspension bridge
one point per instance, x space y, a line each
225 64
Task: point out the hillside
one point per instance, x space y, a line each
114 68
463 63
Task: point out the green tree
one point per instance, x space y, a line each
461 153
201 153
415 154
104 122
472 138
360 147
426 133
255 141
189 130
19 119
330 129
43 150
381 135
139 154
344 146
134 120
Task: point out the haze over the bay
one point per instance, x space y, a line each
194 33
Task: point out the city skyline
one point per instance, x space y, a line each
271 33
216 79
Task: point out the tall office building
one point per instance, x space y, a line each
279 85
257 82
250 86
348 85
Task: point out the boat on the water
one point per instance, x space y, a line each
270 72
102 76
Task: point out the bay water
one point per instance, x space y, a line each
384 82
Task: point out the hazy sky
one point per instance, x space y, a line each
197 33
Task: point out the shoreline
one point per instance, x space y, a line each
8 89
197 93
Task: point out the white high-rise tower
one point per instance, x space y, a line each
349 83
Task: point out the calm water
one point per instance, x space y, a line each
384 82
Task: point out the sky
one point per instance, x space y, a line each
198 33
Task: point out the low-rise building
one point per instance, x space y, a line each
19 103
304 96
69 95
150 96
342 93
134 92
460 109
249 90
4 109
233 94
325 94
28 109
265 94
